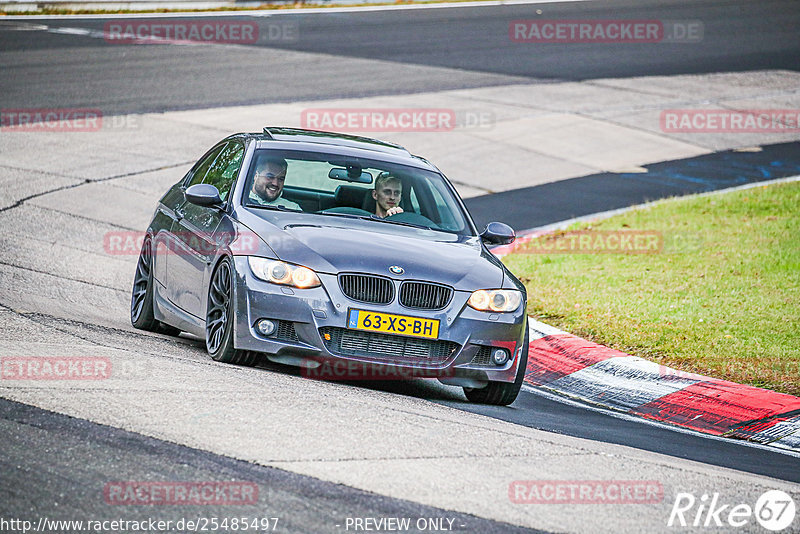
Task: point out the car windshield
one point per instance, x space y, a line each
345 186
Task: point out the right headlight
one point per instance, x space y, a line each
280 272
496 300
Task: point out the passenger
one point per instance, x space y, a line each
387 193
268 184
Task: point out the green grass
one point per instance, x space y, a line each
722 298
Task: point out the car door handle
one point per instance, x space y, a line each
179 214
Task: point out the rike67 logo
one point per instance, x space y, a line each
774 510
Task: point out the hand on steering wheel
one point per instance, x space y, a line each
394 211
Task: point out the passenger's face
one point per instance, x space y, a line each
388 196
269 181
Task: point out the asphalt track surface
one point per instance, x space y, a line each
532 207
423 51
545 412
420 50
90 454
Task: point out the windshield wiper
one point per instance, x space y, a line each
377 219
401 223
276 207
346 215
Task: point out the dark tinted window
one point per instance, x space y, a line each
202 168
223 171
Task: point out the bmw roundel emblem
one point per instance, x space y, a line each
396 269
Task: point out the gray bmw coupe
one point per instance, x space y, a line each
346 256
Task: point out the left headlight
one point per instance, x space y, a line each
496 300
280 272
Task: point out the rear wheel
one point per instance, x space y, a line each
142 295
219 319
502 393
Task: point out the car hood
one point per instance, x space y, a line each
363 246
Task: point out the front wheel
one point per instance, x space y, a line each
502 393
220 318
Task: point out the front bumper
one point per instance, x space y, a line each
312 333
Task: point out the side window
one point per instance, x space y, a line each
413 198
445 217
222 173
200 171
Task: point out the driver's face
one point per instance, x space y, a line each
388 196
269 181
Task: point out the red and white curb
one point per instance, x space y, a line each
591 373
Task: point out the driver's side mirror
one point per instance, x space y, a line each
497 233
205 195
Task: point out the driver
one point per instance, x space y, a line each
387 193
268 184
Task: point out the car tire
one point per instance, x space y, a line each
142 316
219 319
502 393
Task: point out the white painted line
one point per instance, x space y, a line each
21 27
70 31
151 40
599 216
546 229
296 11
